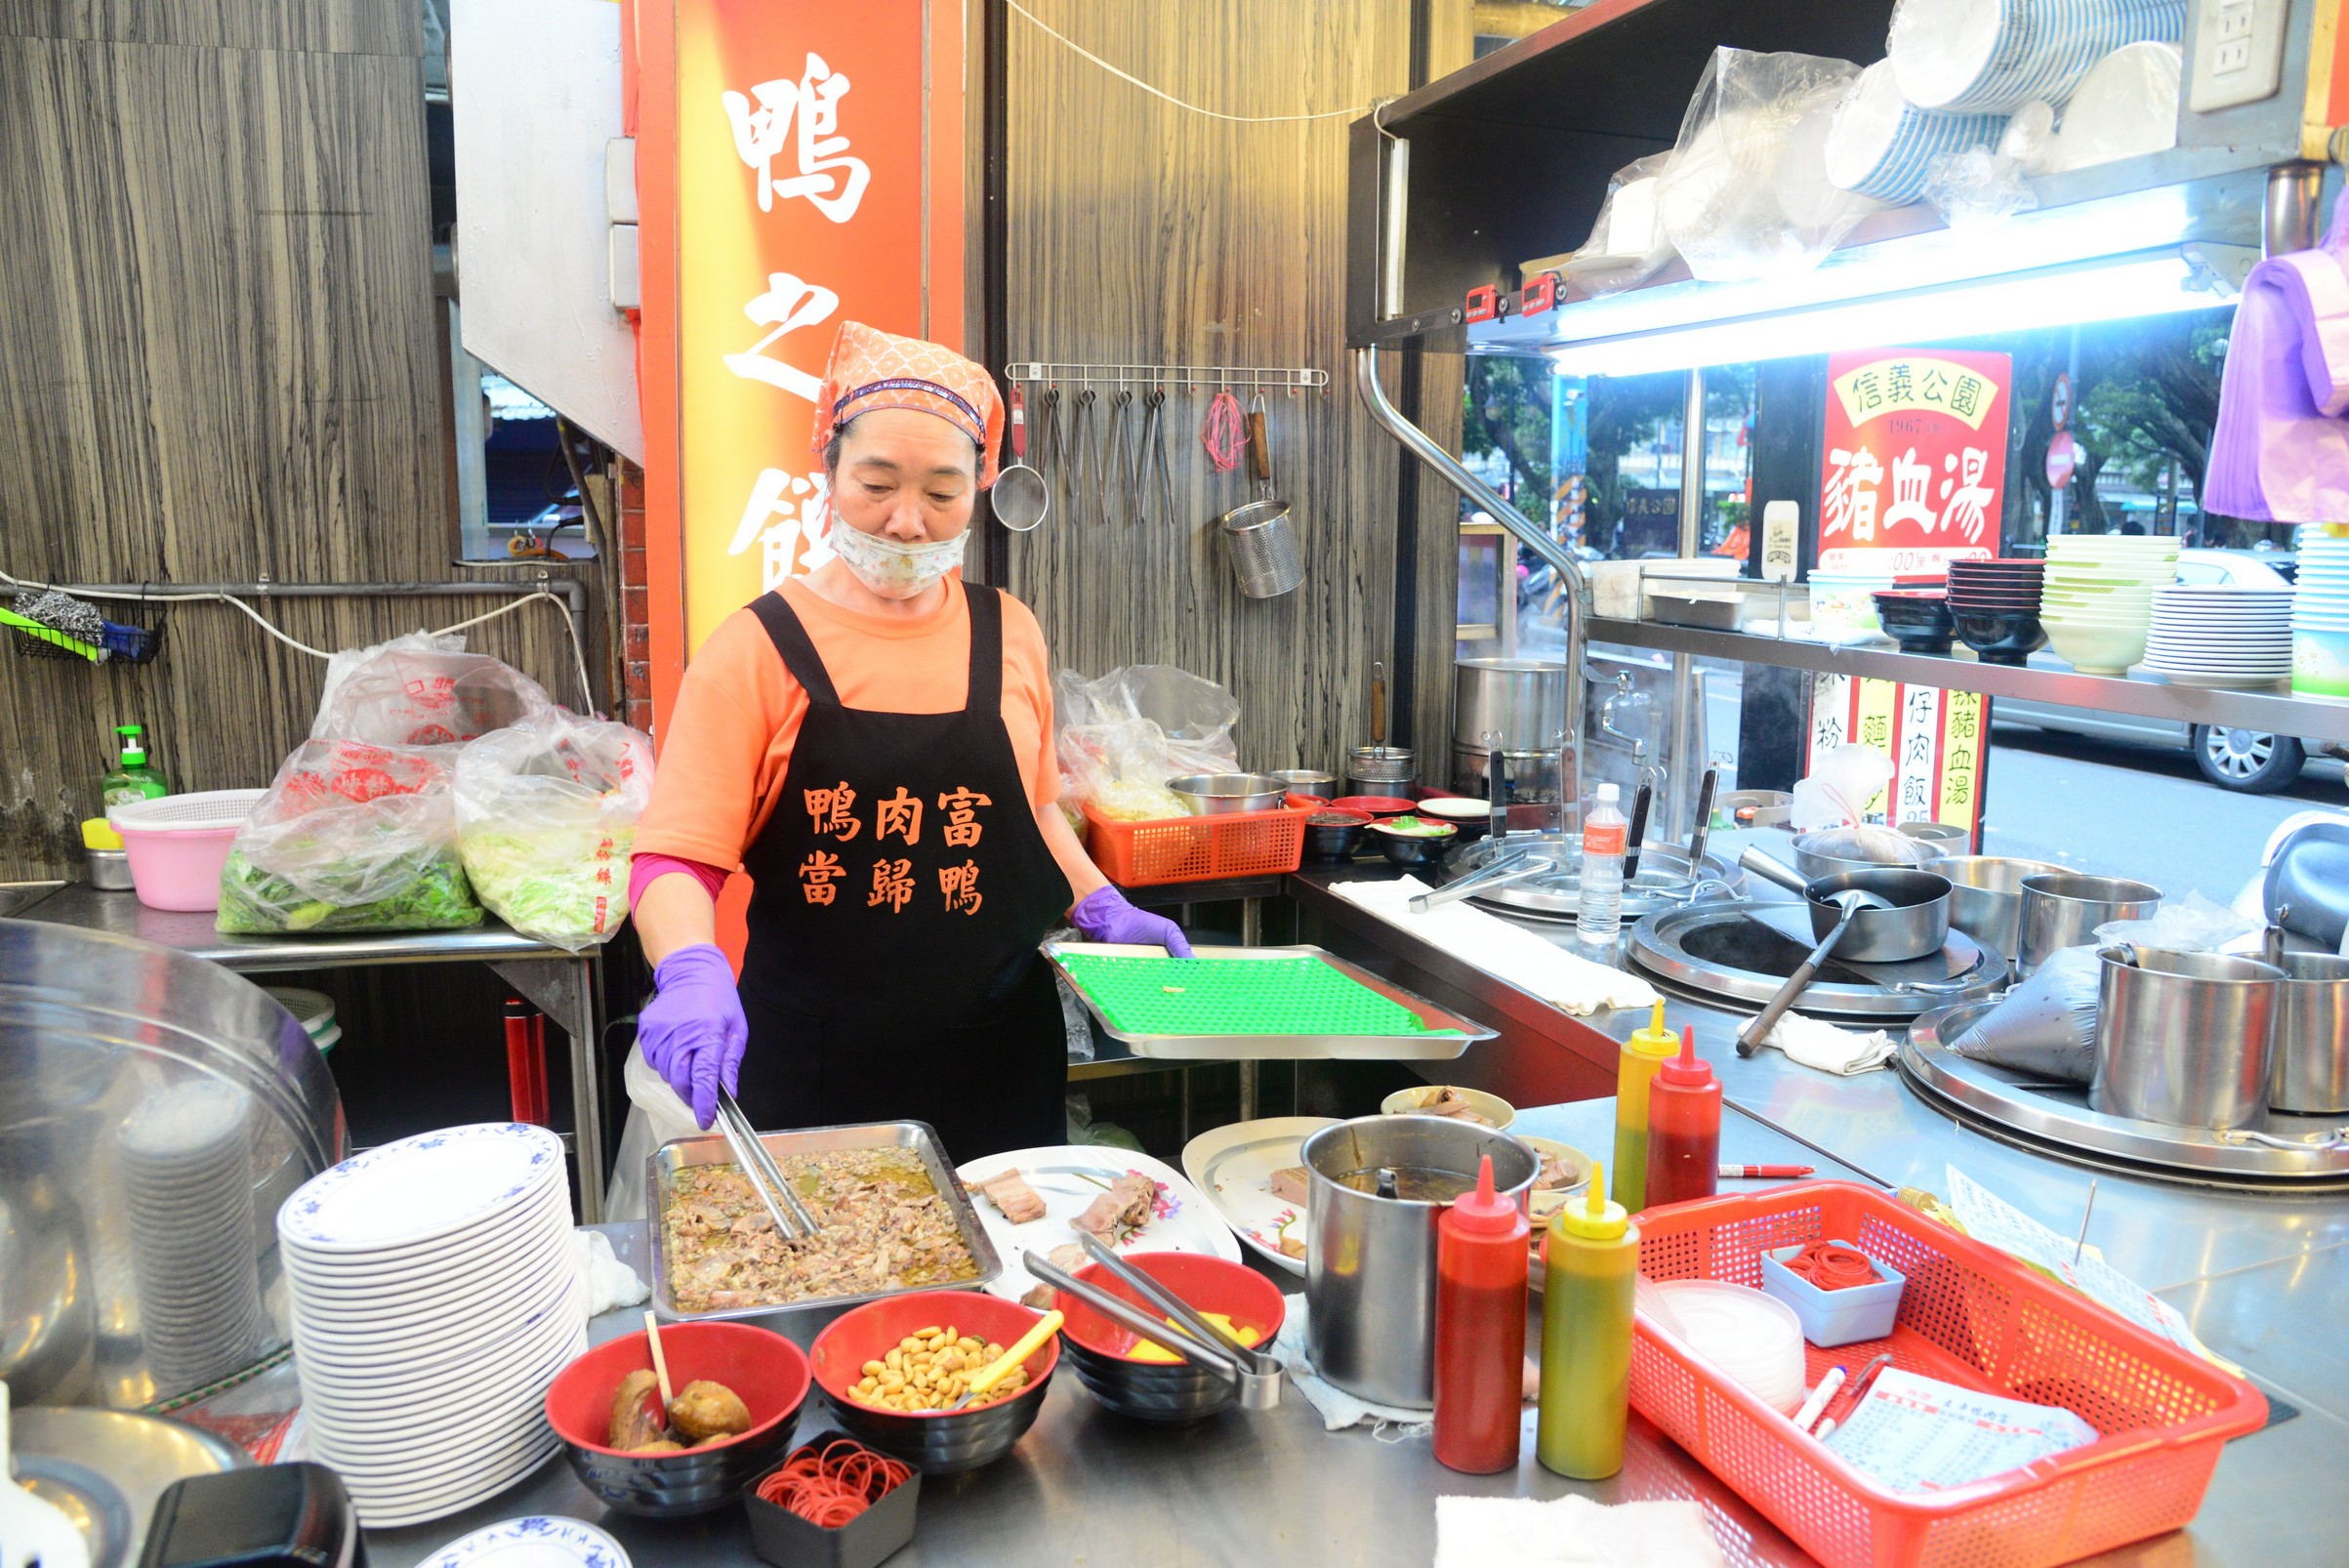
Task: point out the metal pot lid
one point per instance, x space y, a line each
2055 1119
1663 883
107 1468
1741 952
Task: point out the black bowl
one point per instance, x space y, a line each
1920 623
1328 842
940 1442
1415 852
2003 637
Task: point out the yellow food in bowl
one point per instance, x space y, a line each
1150 1350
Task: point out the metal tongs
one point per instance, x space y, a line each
792 1220
1517 865
1189 1336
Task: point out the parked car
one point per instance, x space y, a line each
2249 761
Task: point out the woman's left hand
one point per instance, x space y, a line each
1104 916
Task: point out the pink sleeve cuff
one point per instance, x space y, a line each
646 867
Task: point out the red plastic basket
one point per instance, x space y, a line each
1196 848
1970 1315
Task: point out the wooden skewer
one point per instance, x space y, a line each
660 1362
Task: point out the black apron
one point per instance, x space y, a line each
899 892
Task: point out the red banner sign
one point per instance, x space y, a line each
1915 458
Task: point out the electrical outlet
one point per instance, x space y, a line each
2238 53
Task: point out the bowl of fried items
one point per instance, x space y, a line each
890 1368
735 1391
1144 1378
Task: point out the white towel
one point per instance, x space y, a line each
1820 1045
1525 961
1336 1408
1570 1532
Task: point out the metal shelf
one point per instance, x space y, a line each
2275 711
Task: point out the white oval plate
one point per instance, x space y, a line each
1233 1166
1181 1221
421 1187
532 1543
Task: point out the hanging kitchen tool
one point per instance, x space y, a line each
1153 485
1223 432
1260 536
1051 450
1121 459
1085 460
1021 496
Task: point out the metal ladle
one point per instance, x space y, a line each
1021 496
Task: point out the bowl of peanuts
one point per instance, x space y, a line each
889 1369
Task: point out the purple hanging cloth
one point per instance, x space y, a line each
2281 453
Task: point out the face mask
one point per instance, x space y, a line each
891 569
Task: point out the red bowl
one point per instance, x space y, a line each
942 1442
1101 1352
767 1370
1373 804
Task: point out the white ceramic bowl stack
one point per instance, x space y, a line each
186 1159
2097 604
2217 634
433 1298
2321 613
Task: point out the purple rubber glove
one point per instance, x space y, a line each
693 1033
1104 916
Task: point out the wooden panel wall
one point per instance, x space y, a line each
219 361
1140 232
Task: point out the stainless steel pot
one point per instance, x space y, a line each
2311 1048
2184 1038
1518 705
2064 909
1917 923
1226 793
1812 863
1369 1261
1534 778
1986 897
1378 769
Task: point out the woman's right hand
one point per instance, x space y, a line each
693 1032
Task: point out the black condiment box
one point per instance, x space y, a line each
268 1516
784 1538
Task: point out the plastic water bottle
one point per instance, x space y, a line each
1603 834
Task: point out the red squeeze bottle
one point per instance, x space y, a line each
1481 1261
1684 1126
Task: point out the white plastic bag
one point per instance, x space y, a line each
546 814
340 665
409 694
656 1115
1120 737
1836 796
2193 924
350 837
1719 194
1978 189
1627 242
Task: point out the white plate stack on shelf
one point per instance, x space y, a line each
2097 604
2321 611
433 1298
186 1160
2218 635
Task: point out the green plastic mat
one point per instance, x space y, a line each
1235 995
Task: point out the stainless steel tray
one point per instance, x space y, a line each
1458 1034
687 1152
2012 1106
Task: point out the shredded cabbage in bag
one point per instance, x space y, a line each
546 814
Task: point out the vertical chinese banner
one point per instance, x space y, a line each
1916 459
1933 739
800 165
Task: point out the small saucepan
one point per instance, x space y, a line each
1914 919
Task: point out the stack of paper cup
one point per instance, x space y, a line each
1882 146
1996 55
187 1165
2127 106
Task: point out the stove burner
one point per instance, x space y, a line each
1762 949
1736 953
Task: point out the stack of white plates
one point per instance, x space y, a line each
2097 602
434 1301
2215 634
2320 612
186 1168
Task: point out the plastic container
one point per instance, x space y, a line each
1591 1262
1746 1335
1647 1050
1196 848
1831 1318
1685 1127
133 778
1604 833
178 844
1970 1315
784 1538
1481 1267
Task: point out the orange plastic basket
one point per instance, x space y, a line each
1196 848
1970 1315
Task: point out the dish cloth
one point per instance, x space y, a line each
1338 1409
1570 1532
1525 961
1815 1044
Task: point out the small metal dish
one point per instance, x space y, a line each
1228 794
1307 781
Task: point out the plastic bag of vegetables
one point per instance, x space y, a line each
547 816
414 692
351 837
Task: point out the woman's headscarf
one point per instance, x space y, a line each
874 369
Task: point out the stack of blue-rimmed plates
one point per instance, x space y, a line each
2321 611
434 1300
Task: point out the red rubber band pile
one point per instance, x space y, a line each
1832 1265
831 1487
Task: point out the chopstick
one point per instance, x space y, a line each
792 1220
660 1362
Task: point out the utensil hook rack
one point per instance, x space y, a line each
1184 376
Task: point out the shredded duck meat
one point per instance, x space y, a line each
882 1225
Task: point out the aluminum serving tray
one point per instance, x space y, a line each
671 1158
1458 1034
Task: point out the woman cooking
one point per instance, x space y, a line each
872 744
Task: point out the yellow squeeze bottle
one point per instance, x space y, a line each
1593 1272
1635 1068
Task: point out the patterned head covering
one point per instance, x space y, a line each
875 369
